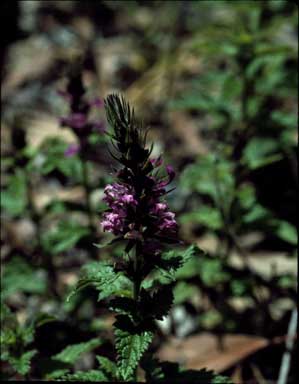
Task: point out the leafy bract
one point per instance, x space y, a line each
103 277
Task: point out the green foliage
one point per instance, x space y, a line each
183 291
103 277
150 307
73 352
130 348
108 367
19 276
210 176
14 340
287 232
174 259
22 363
14 197
261 151
208 217
63 237
54 159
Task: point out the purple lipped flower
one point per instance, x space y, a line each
113 222
120 199
137 210
156 162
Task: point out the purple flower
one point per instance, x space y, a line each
113 222
142 218
156 162
119 198
71 150
119 195
164 219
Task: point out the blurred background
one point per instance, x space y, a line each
217 83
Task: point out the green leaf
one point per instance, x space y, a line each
287 232
102 276
183 291
206 216
256 213
22 363
53 150
92 375
212 271
211 176
64 237
130 348
14 198
108 366
190 268
174 259
246 195
18 276
73 352
261 151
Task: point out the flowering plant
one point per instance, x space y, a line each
139 216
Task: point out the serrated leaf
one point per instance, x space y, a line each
130 348
22 363
158 305
92 375
172 260
108 366
102 276
73 352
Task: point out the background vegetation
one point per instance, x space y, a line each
217 83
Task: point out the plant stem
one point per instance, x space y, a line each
137 284
137 280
